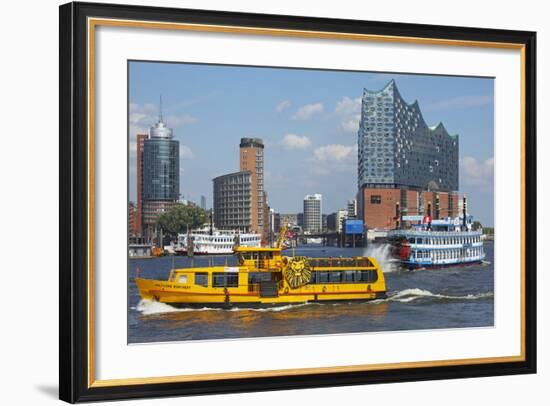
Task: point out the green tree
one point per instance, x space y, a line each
476 225
179 217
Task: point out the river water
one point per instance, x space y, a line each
451 297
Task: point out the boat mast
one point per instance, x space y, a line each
464 212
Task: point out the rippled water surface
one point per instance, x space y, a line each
422 299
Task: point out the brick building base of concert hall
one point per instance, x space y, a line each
377 206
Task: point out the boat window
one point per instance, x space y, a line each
201 278
182 279
257 277
369 276
348 276
225 280
266 255
335 276
363 276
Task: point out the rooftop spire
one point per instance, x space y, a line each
160 117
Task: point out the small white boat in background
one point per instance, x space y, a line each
210 241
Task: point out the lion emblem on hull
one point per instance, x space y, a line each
297 272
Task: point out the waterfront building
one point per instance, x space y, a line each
313 220
300 220
251 158
232 202
132 219
289 220
276 223
352 208
203 202
335 220
140 140
160 174
405 167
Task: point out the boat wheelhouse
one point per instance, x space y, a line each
437 243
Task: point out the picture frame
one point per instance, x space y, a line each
79 164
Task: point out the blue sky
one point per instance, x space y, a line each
308 120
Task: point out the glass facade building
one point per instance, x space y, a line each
160 165
397 148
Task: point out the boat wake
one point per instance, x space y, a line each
409 295
151 307
382 254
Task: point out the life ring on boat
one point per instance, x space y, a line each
324 289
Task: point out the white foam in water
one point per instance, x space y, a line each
382 254
408 295
149 307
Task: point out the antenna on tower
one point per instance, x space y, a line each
161 107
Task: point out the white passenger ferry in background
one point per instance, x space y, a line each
437 243
210 241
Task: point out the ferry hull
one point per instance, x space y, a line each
416 265
267 305
234 297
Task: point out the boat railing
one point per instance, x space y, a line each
431 233
340 262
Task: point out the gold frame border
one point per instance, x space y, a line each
94 22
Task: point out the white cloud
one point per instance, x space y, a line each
293 141
179 121
349 111
461 102
475 172
335 153
143 116
306 112
185 152
351 125
347 106
332 158
282 105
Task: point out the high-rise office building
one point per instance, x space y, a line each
313 220
335 220
160 174
352 209
232 201
140 140
251 158
203 202
132 219
404 165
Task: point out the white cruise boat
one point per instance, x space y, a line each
437 243
207 241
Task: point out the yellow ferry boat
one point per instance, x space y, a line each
264 277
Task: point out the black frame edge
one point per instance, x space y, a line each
73 329
66 358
